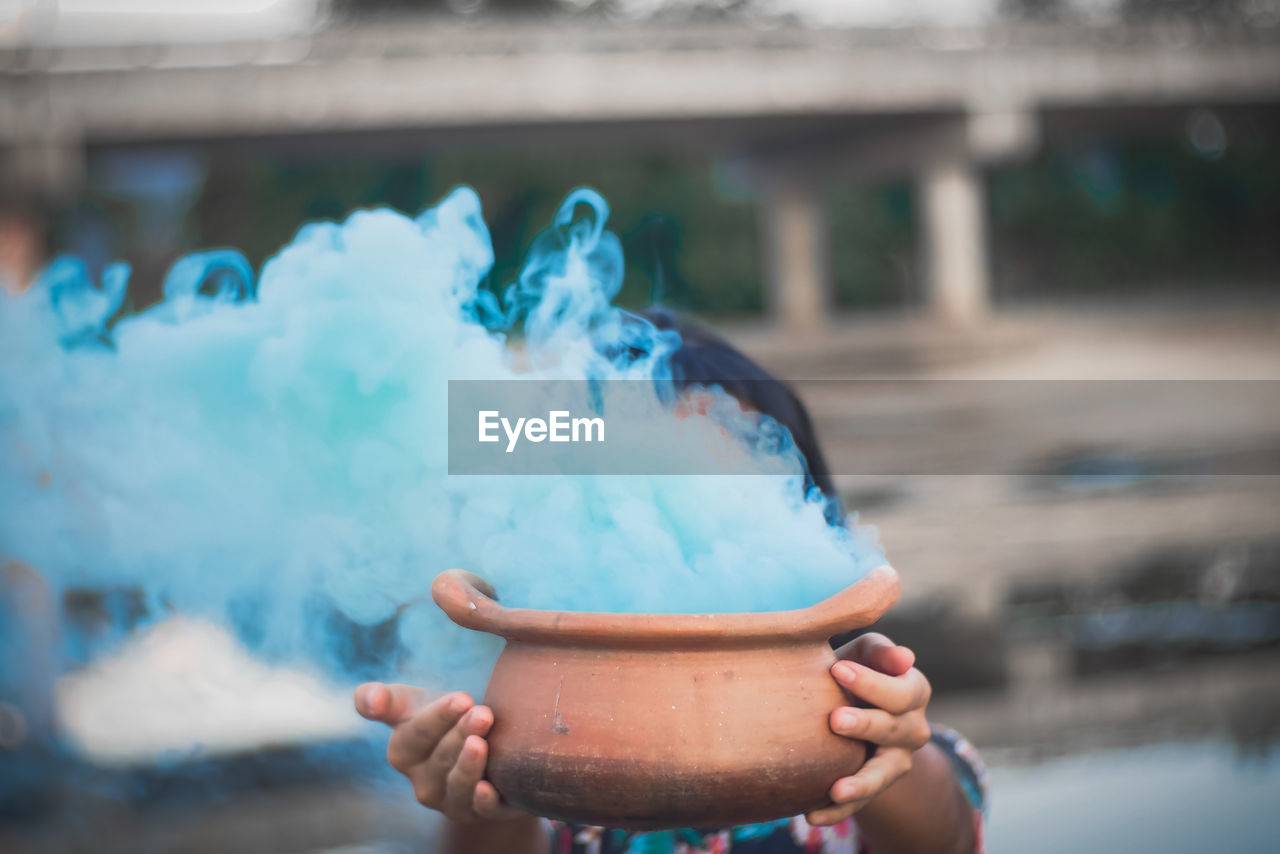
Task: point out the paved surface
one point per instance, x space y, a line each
968 537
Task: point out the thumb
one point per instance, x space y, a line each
388 703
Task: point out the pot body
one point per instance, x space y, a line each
645 738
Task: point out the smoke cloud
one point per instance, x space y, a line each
269 455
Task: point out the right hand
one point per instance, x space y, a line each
440 746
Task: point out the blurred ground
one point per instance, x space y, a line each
1018 527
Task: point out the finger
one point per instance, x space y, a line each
419 737
467 771
826 816
488 804
895 694
851 794
879 653
389 704
910 731
476 721
894 660
876 774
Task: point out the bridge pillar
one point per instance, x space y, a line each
794 221
35 177
952 213
48 169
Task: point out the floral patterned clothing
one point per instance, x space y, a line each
785 836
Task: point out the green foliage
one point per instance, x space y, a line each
686 242
1106 217
873 245
256 204
1138 214
714 266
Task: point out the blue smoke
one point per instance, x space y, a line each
270 452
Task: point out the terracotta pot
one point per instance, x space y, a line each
650 721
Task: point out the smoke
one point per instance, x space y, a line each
187 678
270 456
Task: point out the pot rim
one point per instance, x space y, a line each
471 602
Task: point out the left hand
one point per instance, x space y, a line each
873 669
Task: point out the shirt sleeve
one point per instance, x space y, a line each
967 764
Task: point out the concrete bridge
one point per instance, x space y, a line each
789 108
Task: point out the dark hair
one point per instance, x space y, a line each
706 359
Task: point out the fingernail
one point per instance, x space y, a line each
456 706
847 718
844 670
366 698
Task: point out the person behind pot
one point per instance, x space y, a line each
920 792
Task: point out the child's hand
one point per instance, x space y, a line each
440 747
872 669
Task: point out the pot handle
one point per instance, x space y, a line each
858 605
467 599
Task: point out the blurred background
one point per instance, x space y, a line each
925 189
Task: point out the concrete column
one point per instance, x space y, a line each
794 219
28 656
49 169
952 215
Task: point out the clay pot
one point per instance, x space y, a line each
648 721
